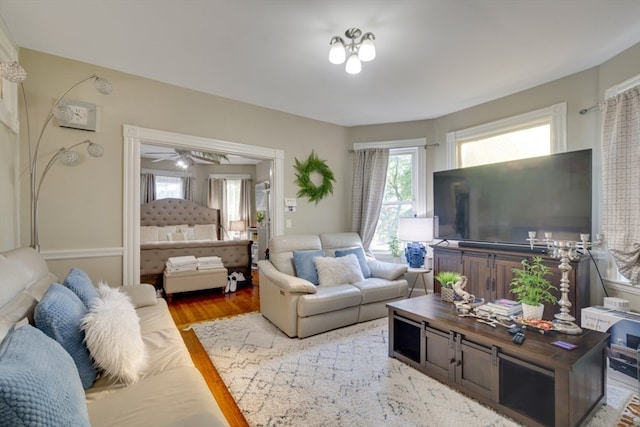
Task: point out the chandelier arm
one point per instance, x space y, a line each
46 122
35 195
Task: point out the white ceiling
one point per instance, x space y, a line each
434 56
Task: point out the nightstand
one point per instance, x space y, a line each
419 272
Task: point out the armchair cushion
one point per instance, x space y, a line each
305 266
362 260
338 271
386 270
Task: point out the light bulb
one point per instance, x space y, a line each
95 150
337 54
63 113
367 50
354 66
69 158
13 72
103 86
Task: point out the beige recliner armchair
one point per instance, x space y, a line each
301 308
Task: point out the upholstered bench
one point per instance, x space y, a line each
194 280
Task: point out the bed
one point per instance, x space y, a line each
178 227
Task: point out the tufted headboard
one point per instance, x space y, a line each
176 212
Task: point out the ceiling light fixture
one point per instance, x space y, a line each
356 50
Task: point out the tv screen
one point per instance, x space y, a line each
501 202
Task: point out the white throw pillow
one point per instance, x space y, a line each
163 232
149 234
338 271
176 237
113 337
205 232
190 232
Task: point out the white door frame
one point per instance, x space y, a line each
134 136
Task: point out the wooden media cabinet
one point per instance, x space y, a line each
534 383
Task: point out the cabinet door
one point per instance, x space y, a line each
475 367
445 260
477 268
502 276
438 352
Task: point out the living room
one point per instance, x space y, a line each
82 210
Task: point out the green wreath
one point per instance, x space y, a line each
303 178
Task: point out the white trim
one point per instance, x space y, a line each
163 172
622 286
229 176
401 143
9 101
557 113
82 253
622 86
134 136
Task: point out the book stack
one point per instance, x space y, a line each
501 307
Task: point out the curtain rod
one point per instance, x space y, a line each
425 146
588 110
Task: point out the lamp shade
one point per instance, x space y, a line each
236 225
415 229
354 66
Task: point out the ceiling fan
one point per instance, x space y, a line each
186 158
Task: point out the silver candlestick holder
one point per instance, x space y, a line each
567 251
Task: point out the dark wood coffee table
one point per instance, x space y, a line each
535 383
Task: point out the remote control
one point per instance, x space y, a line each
563 344
518 338
514 330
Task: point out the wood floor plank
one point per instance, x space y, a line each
195 307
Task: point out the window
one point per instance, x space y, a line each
232 191
402 197
532 134
169 187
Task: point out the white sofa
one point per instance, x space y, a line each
301 308
170 392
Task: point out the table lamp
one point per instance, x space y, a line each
238 226
415 230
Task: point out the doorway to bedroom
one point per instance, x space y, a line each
135 138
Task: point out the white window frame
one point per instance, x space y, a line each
420 183
555 114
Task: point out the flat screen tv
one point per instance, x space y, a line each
501 202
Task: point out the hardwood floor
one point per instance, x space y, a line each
193 307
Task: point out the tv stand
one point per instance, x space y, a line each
535 383
514 247
489 271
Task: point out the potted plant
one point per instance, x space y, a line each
259 218
446 280
394 248
532 288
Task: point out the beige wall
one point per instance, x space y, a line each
9 188
81 208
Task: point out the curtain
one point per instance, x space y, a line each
215 200
147 187
245 208
369 177
188 185
621 180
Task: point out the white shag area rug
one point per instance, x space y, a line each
342 378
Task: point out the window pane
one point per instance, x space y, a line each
398 198
232 195
168 187
520 144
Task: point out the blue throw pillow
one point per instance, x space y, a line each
59 315
81 285
362 260
305 267
39 384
